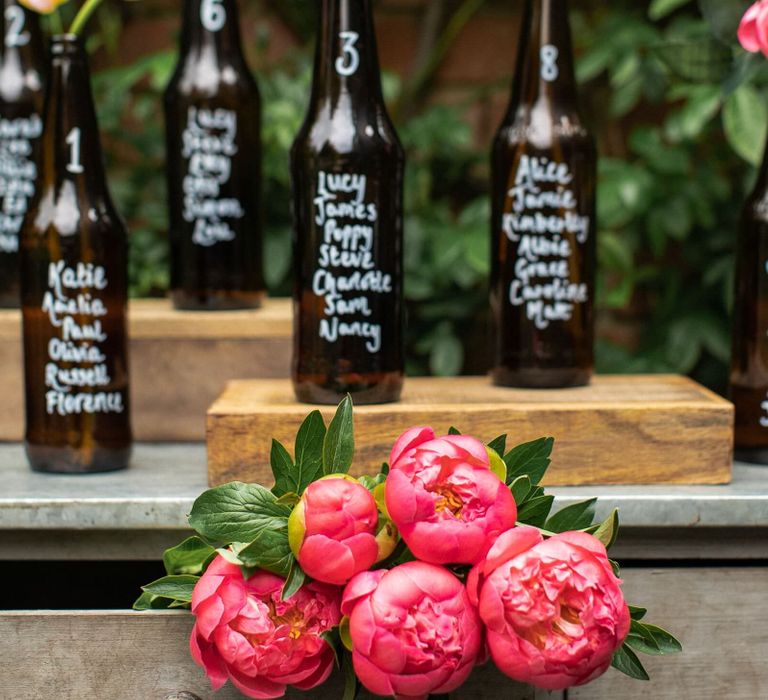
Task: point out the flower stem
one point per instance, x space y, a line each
88 8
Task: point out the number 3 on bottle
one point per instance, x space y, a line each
15 36
213 15
73 141
349 62
549 69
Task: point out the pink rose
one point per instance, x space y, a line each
753 30
444 499
333 530
553 609
246 634
43 6
413 629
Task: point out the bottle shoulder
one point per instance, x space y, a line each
365 137
20 87
544 131
200 78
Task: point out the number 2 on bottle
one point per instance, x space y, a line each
549 69
213 15
16 36
348 63
73 141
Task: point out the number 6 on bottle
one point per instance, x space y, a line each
213 15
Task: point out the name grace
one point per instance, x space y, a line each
348 248
544 246
72 291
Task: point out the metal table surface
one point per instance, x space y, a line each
134 514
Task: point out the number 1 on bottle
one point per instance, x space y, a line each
73 141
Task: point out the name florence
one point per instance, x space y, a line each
72 293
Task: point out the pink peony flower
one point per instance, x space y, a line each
444 499
553 609
246 634
413 629
43 6
753 30
333 530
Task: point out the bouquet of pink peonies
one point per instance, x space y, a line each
407 579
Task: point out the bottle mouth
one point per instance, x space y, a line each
66 44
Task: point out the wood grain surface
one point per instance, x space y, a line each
719 614
180 362
657 429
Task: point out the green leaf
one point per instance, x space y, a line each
149 601
189 557
270 551
609 529
309 452
453 431
535 511
530 458
371 482
616 568
637 613
351 684
577 516
237 512
499 444
661 8
294 582
173 587
626 661
282 469
650 639
520 488
339 444
744 119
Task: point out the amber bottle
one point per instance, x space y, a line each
347 169
213 135
749 367
74 288
543 215
22 68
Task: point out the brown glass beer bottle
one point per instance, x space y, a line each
749 367
22 67
213 136
74 269
347 168
543 220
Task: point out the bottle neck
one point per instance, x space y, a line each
211 28
22 51
545 64
71 148
346 58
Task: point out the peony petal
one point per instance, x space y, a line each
327 560
321 674
258 687
509 545
748 29
205 655
373 678
208 615
407 441
359 587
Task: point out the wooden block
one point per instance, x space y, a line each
121 655
621 430
180 362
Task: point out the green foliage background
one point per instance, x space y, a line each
680 113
